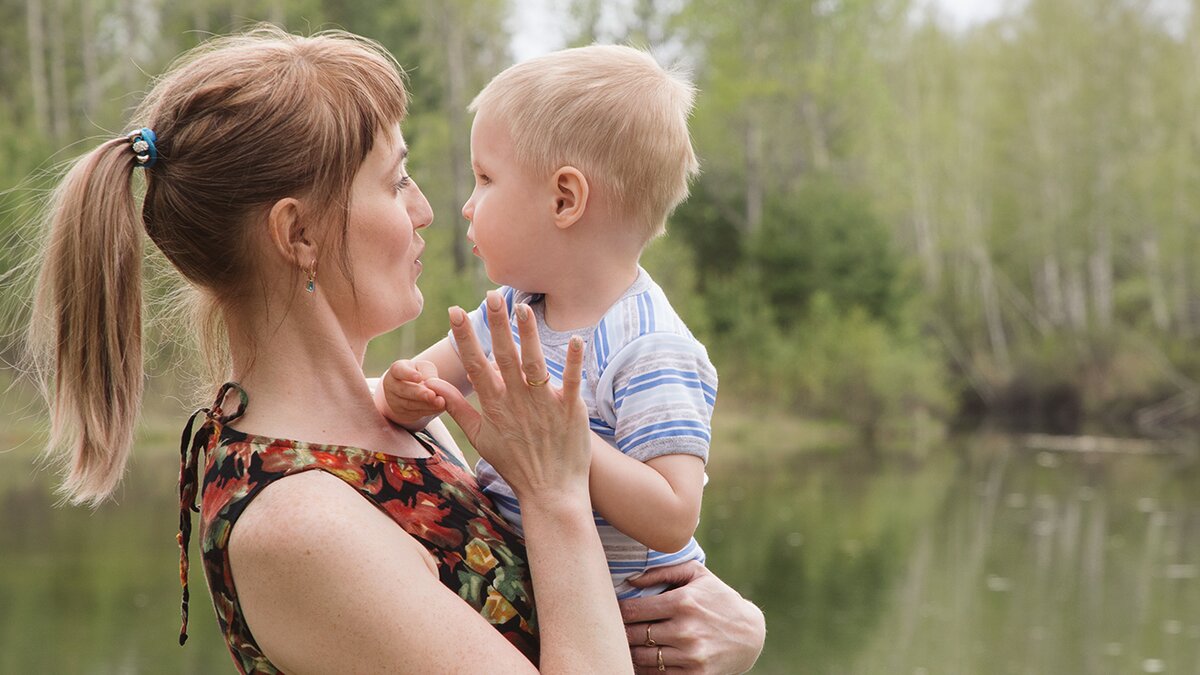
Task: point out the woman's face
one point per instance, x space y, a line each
383 246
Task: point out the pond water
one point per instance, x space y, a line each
983 559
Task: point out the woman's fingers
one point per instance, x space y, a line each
464 414
533 363
674 575
665 605
504 350
650 608
573 369
645 659
475 363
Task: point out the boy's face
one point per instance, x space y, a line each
510 210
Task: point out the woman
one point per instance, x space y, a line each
269 158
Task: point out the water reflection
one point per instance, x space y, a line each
981 560
991 561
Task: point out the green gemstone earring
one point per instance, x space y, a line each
311 285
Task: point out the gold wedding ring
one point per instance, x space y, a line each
540 383
649 640
661 665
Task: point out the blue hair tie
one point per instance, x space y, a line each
144 151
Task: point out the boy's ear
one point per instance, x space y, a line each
570 196
286 228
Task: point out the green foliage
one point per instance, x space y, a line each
840 363
1037 180
823 238
706 224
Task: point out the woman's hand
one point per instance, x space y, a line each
703 626
534 434
537 438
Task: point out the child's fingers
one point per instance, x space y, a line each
408 398
425 369
411 371
416 399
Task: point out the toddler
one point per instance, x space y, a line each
579 156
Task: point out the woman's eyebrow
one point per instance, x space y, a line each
400 157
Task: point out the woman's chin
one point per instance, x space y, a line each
412 308
386 323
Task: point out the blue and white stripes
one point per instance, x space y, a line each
649 389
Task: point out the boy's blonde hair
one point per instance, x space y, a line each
610 111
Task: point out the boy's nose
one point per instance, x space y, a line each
468 209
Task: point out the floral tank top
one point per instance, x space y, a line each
435 499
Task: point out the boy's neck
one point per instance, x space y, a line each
582 297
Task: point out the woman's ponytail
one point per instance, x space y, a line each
87 320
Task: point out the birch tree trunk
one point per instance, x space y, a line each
459 133
918 156
277 13
754 178
1100 268
1053 298
1077 304
991 310
87 46
1154 279
60 100
200 16
34 22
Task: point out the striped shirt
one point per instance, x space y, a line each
649 389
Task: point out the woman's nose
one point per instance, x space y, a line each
422 216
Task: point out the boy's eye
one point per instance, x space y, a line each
483 178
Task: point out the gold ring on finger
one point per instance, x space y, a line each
539 383
649 640
661 665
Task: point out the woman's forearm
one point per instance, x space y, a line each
578 616
536 437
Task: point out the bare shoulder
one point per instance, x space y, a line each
309 515
320 573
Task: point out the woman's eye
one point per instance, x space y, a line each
404 182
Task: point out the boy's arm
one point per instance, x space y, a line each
656 502
657 394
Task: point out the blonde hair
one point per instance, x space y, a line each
610 111
242 121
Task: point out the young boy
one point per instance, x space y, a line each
579 156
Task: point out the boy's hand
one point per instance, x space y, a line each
406 400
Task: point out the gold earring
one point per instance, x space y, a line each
311 286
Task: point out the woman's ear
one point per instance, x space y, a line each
288 235
570 196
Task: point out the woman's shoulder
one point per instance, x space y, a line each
307 510
307 548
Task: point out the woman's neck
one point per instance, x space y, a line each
305 381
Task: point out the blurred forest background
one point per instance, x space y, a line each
902 221
910 232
